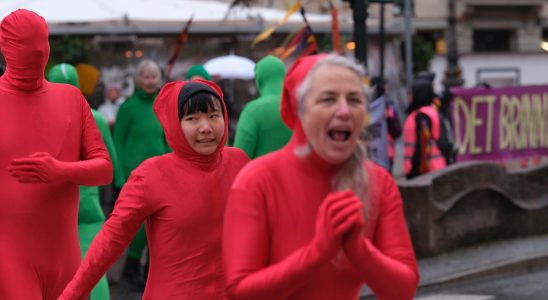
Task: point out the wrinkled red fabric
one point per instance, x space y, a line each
181 198
270 238
39 250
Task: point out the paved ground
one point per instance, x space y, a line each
473 264
527 285
484 259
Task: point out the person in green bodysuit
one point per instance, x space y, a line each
90 213
197 72
138 135
260 128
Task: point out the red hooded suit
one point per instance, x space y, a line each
270 223
49 145
181 198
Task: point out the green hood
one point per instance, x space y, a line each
197 70
269 75
64 73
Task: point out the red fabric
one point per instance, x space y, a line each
293 79
273 234
24 44
39 250
335 34
181 198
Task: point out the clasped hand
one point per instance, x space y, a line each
339 223
39 167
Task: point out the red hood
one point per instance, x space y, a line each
289 110
24 44
166 109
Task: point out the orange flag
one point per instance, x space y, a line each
269 31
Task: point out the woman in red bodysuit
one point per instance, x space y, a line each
49 145
181 198
314 220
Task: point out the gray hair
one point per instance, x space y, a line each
145 65
351 175
331 59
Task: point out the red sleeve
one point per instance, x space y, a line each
246 238
389 259
95 167
129 213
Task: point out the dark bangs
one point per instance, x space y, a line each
201 102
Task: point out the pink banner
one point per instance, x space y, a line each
500 123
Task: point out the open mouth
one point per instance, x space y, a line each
205 141
339 135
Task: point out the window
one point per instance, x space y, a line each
493 40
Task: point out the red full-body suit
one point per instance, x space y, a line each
181 198
268 248
49 145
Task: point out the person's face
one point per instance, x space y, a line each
334 111
409 97
150 81
113 94
204 131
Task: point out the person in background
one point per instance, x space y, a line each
384 125
260 129
90 213
181 197
441 103
138 135
197 72
420 132
113 100
315 220
49 145
447 143
426 76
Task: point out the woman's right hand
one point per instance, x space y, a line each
333 220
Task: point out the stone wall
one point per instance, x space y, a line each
474 202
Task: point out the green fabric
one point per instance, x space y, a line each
260 129
64 73
87 233
197 70
90 207
104 129
138 134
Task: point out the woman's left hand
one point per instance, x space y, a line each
353 240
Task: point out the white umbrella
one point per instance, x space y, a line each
231 67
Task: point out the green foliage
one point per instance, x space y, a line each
324 42
68 49
423 52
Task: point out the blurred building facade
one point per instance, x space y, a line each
500 42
